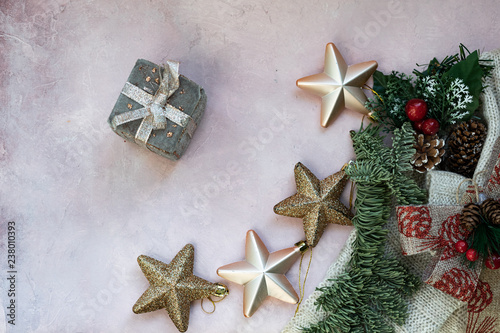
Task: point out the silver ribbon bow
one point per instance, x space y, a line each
155 111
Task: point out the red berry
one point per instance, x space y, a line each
416 109
430 126
471 255
461 246
418 125
493 261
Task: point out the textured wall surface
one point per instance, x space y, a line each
86 203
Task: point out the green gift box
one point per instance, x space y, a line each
158 109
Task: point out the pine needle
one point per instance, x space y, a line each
374 289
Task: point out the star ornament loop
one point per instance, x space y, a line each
340 86
262 273
173 287
316 202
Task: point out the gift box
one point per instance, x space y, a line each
158 109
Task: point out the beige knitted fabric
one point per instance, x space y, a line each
430 310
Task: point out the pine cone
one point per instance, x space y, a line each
429 151
490 208
465 144
471 216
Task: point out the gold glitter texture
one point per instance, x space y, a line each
316 202
339 85
262 273
173 286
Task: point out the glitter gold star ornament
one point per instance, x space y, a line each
262 273
339 85
173 287
316 202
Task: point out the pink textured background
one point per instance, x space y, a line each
86 204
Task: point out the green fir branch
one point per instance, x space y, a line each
486 238
393 91
435 67
372 293
451 89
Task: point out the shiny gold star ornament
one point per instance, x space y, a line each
316 202
173 287
263 273
339 85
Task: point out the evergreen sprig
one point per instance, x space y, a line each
486 238
450 87
393 91
435 67
373 290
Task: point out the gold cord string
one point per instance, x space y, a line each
370 115
213 303
302 289
367 87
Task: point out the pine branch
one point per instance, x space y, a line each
372 293
403 149
451 88
486 238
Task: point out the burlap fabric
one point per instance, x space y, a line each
442 191
431 310
436 229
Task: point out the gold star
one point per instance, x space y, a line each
174 287
316 202
339 85
263 273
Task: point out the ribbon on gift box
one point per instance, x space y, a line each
156 110
437 229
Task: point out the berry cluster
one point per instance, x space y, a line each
416 110
492 262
